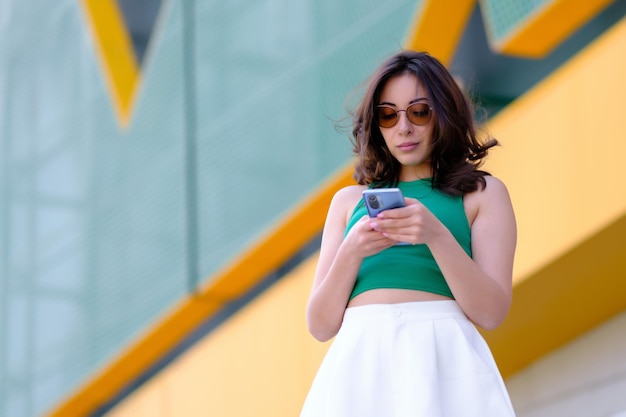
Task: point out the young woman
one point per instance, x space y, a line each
404 316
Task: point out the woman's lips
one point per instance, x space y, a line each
408 146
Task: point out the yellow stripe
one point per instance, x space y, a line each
232 282
539 34
438 26
116 53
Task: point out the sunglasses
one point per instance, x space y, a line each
418 114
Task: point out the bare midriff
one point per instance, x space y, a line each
393 296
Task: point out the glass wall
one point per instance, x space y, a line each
105 228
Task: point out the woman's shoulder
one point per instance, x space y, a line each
492 188
346 198
495 187
349 195
492 194
350 191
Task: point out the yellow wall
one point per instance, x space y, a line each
563 152
562 156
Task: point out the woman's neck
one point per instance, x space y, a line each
409 174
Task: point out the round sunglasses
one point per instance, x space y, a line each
418 114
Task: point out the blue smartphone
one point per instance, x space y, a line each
380 199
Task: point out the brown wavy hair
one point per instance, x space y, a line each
457 151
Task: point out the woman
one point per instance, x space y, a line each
403 315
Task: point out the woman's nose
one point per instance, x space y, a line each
403 122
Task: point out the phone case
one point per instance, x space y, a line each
379 199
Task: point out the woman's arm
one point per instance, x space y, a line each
339 263
482 284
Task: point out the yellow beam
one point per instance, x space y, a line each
548 27
237 278
438 26
115 52
132 362
272 251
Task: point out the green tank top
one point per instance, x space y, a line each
413 266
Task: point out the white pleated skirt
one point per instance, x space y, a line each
418 359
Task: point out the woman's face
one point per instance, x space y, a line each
409 143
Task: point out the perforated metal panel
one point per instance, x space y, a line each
505 15
266 119
96 239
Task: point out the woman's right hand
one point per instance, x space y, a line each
363 241
339 262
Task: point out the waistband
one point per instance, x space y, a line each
418 310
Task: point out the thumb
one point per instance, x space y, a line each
411 201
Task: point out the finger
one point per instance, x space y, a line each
390 214
363 219
396 213
390 224
401 237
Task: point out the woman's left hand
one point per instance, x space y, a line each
412 224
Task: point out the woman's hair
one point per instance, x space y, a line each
457 152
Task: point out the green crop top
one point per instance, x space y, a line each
413 266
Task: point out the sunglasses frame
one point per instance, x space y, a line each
386 106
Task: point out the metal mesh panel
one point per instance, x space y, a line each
91 225
503 16
267 131
94 235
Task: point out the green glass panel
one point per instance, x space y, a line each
96 241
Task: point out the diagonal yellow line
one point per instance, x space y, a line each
116 54
428 31
234 280
548 27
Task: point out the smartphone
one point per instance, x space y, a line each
380 199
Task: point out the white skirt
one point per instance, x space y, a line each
418 359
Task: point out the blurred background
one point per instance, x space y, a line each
166 166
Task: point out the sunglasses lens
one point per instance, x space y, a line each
418 113
386 116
